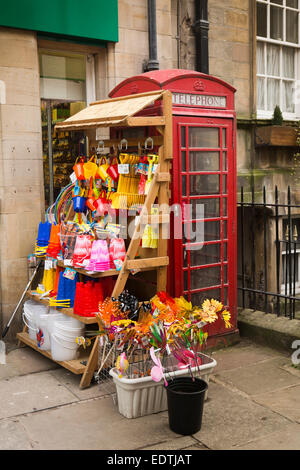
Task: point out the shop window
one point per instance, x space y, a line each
66 86
277 57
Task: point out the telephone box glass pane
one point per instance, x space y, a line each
183 161
224 207
183 190
224 138
204 137
224 184
204 184
225 161
206 277
210 208
183 139
198 299
204 161
208 254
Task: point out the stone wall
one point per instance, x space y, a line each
21 168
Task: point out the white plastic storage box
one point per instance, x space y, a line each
142 396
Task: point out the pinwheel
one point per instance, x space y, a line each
157 371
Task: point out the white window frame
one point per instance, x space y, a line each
297 283
268 114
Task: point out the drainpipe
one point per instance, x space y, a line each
152 63
201 28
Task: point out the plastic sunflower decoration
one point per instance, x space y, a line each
210 310
226 317
186 308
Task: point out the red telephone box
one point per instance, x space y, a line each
203 260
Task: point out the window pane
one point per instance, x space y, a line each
205 137
288 56
224 138
276 27
273 94
225 161
204 184
224 206
208 254
207 208
261 20
278 2
183 179
183 137
206 277
183 161
212 231
225 184
198 299
260 58
288 104
204 161
261 93
292 3
273 60
291 26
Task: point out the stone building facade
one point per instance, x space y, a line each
232 57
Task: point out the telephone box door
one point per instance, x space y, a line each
204 186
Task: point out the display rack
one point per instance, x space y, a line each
121 112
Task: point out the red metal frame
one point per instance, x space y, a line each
226 264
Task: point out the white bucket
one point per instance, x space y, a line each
65 329
63 348
54 317
28 320
42 332
31 313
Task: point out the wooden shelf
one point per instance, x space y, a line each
74 366
111 272
65 311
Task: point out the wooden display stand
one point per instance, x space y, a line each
119 112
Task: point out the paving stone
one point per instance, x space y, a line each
27 361
32 392
197 447
13 436
231 420
260 378
285 402
229 359
95 425
72 383
174 444
287 439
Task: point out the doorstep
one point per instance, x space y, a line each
268 329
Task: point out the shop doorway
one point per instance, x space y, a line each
67 85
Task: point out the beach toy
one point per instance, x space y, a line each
54 242
90 168
91 198
102 170
82 250
79 204
112 170
79 168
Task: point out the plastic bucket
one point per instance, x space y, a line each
31 313
67 329
63 348
185 404
42 332
28 320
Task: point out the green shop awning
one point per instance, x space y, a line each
89 19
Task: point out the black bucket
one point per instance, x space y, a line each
185 404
